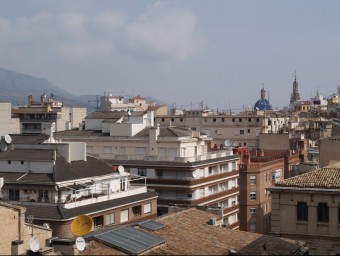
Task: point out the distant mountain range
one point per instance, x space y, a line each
15 88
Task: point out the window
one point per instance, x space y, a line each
222 119
257 119
14 194
233 119
22 162
252 179
302 211
253 211
242 132
248 130
172 119
107 150
323 212
9 161
240 119
249 119
142 172
162 119
137 210
252 195
210 170
98 221
147 208
124 215
141 151
109 219
214 120
252 227
181 119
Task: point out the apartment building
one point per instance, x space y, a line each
178 162
57 182
8 124
307 208
109 102
242 129
279 157
329 150
39 117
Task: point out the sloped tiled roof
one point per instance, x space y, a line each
29 138
187 232
327 177
165 132
27 154
80 169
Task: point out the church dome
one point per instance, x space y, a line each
263 103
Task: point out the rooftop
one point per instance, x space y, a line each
187 232
327 177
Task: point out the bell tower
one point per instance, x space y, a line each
295 96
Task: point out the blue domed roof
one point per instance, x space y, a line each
263 104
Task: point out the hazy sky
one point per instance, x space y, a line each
220 52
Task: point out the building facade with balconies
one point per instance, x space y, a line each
178 162
242 129
39 117
57 182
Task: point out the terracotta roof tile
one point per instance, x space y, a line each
327 177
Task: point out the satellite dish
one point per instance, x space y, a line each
228 143
8 139
195 175
80 243
121 169
81 225
34 244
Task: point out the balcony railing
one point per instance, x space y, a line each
133 190
182 159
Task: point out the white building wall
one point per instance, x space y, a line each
8 124
35 167
93 124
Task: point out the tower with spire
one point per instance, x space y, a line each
295 96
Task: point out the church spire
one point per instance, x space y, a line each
295 96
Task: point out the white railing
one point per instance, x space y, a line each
133 190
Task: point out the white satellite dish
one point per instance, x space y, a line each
228 143
80 243
8 139
34 244
121 168
195 175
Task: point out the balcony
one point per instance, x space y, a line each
133 190
181 159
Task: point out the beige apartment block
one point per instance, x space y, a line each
329 150
39 117
242 129
178 162
8 124
307 207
